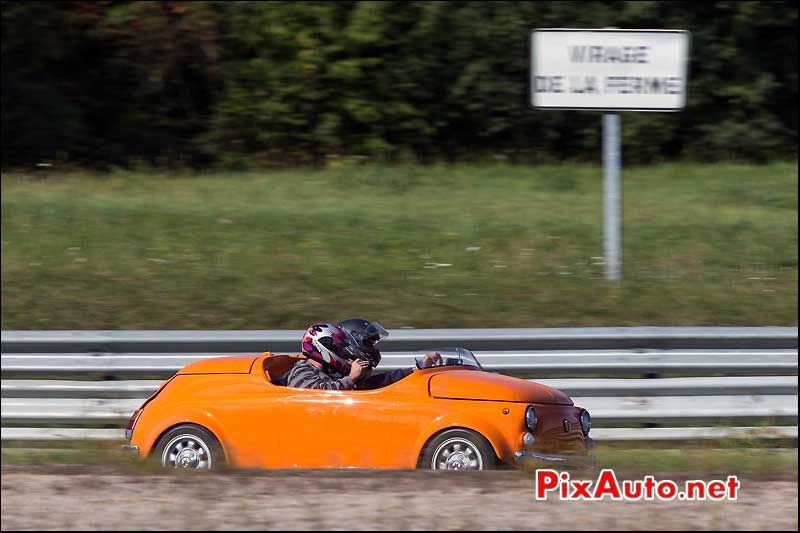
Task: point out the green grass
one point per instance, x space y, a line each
441 246
731 458
751 462
65 452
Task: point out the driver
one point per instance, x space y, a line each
331 362
367 335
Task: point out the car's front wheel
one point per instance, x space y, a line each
189 446
458 449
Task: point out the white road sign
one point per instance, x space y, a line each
609 69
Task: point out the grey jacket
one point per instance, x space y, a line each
304 375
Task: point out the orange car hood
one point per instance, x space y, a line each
220 365
476 385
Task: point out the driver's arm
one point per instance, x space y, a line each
382 380
432 359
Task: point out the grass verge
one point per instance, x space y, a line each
441 246
748 460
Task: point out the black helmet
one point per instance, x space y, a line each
367 334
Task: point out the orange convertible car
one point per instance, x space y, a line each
238 411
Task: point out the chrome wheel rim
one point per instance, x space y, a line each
186 451
457 454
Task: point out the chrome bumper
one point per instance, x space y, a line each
523 456
131 449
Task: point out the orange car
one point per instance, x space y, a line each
238 411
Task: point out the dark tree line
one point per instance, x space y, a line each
238 84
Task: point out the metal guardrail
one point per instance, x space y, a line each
694 386
500 339
738 396
544 362
604 410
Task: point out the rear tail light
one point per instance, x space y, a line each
132 423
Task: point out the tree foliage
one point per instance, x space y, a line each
239 84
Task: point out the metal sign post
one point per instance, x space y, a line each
609 70
612 201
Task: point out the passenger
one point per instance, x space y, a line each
331 362
367 335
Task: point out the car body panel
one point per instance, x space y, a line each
476 385
264 425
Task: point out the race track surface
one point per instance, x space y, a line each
101 498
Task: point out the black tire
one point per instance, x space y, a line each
189 446
458 449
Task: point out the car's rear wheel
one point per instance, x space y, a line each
189 446
458 449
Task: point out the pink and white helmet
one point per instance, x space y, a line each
330 345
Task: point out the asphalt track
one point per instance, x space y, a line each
113 498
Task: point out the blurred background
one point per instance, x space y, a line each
247 85
257 165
